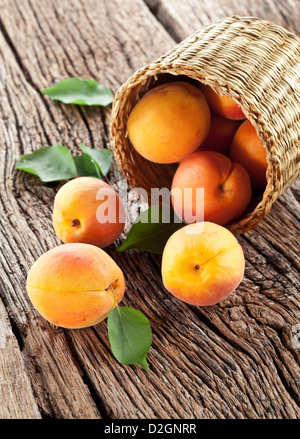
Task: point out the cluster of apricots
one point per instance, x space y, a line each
77 283
208 135
217 150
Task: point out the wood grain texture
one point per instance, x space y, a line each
13 376
183 18
238 359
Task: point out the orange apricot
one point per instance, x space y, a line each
202 264
75 285
220 134
221 104
88 210
227 188
169 122
247 149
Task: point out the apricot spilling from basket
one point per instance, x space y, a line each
169 122
227 188
75 285
88 210
215 147
220 134
202 264
247 149
222 105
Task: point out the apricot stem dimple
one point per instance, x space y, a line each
197 267
75 223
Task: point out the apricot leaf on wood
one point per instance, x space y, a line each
56 162
151 230
86 166
79 91
130 335
49 163
102 157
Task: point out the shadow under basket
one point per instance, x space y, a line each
257 64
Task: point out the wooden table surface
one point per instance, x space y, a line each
238 359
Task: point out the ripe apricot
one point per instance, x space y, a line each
202 264
221 104
75 285
169 122
227 187
220 134
247 149
86 209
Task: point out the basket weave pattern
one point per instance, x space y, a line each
257 64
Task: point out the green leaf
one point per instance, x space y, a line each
151 230
130 335
86 166
102 157
78 91
55 163
49 163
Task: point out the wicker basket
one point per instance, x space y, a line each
257 64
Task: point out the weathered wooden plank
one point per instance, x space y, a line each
233 360
183 18
30 121
272 249
22 122
17 400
